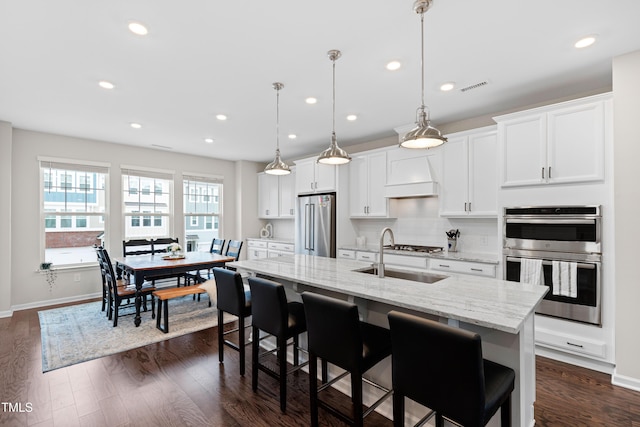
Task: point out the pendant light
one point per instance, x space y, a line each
334 155
277 167
423 135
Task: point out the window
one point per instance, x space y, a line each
73 210
201 214
155 206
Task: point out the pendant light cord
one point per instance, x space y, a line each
334 96
422 54
278 119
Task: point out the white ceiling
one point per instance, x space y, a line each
204 57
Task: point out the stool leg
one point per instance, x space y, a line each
296 352
255 348
398 409
505 412
220 336
153 306
313 389
241 343
325 372
166 315
282 360
159 316
356 398
439 420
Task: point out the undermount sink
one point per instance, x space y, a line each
416 276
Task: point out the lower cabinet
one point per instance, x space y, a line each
571 343
464 267
256 249
276 249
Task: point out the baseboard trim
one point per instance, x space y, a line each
47 303
7 313
626 382
584 362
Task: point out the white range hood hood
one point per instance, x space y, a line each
409 172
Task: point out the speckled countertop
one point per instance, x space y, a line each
490 303
461 256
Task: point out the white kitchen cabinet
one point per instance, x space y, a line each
557 144
405 261
287 191
276 196
464 267
346 254
276 249
367 256
256 249
469 174
412 173
313 177
368 176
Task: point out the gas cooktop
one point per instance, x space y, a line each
415 248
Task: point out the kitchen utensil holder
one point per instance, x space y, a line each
452 245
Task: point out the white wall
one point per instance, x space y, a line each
246 203
626 101
27 287
5 218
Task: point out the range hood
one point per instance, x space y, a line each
410 174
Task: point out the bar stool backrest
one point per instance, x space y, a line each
230 292
438 366
333 330
268 306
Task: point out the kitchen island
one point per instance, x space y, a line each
501 312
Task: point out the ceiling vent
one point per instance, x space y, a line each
474 86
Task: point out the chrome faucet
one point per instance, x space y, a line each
381 251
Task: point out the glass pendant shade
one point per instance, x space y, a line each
277 167
334 155
423 135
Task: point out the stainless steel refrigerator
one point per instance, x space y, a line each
316 225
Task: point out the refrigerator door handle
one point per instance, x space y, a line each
312 227
307 233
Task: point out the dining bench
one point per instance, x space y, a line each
164 295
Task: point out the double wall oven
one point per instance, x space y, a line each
555 234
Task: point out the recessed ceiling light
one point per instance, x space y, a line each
445 87
292 136
393 65
106 85
585 42
208 140
221 117
135 125
138 28
352 117
311 100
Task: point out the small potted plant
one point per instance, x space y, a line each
50 274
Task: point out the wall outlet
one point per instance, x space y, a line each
76 277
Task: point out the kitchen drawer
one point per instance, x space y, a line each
273 253
570 343
367 256
405 261
256 253
257 244
464 267
286 247
347 254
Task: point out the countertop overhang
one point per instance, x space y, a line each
491 303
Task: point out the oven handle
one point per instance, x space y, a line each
548 221
544 262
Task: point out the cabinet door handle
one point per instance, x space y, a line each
290 211
477 269
469 206
542 173
575 345
465 206
549 172
444 265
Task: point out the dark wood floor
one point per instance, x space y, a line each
180 382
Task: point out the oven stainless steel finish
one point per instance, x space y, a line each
554 228
586 307
558 233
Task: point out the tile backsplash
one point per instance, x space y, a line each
416 222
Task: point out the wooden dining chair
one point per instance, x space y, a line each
217 246
122 294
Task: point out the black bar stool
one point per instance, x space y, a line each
441 367
336 335
233 298
271 313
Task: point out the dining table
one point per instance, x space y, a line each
148 267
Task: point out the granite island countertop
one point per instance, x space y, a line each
491 303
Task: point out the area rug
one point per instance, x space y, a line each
82 332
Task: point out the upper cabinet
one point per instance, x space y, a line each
368 176
469 174
276 195
557 144
313 177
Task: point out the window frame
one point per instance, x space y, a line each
205 186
